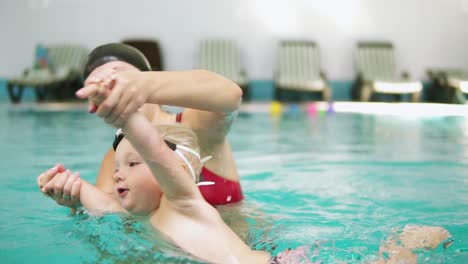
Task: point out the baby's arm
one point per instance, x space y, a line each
163 162
94 199
89 196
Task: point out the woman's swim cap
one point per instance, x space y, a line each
115 52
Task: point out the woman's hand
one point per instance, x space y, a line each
62 186
118 96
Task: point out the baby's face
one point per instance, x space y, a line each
135 187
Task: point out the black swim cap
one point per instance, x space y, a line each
115 52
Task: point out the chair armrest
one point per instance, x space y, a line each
360 76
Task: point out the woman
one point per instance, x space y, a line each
119 79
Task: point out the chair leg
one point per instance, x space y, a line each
245 93
15 94
366 93
459 97
62 91
326 94
415 97
278 94
41 92
448 95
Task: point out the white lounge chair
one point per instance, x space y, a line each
223 57
377 73
65 65
299 70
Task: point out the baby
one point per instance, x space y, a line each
156 170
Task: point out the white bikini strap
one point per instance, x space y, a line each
204 183
193 152
205 159
192 171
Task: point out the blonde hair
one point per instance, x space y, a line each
183 135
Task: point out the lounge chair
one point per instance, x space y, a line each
377 73
223 57
151 50
299 70
62 71
449 85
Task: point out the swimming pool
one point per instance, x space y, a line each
343 181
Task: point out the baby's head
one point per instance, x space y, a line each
135 187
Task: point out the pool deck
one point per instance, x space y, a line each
398 109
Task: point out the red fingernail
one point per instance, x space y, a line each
92 109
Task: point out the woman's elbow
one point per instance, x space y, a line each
236 96
231 92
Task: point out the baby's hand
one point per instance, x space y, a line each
96 94
45 177
97 88
64 188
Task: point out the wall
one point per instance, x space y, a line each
426 33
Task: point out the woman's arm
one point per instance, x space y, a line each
196 89
210 98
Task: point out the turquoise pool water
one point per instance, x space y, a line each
343 181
